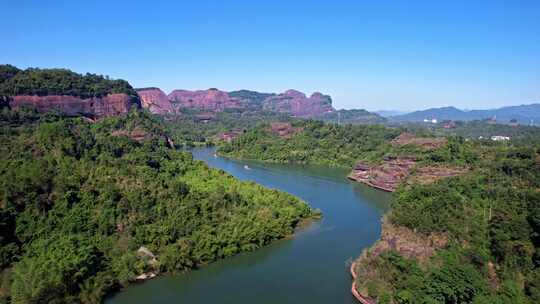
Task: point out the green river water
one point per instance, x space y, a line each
310 268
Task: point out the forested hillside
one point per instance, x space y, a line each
195 127
314 142
42 82
471 238
86 208
484 227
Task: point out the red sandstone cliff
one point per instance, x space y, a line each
211 99
155 101
96 107
298 104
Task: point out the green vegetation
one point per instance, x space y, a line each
336 145
77 200
490 215
353 116
519 134
253 101
196 127
42 82
317 143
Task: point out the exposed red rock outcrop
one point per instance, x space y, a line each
386 176
141 135
354 290
298 104
407 242
284 129
96 107
211 99
429 174
395 170
155 101
228 136
137 134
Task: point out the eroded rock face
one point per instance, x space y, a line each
386 176
394 171
155 100
211 99
298 104
96 107
228 136
407 242
284 129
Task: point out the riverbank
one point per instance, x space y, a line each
290 268
394 239
361 298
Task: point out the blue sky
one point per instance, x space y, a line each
402 55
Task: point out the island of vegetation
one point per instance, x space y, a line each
468 236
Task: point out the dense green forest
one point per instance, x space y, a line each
317 143
490 215
491 218
34 81
77 201
339 145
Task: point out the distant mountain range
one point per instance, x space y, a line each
295 103
522 114
352 116
389 113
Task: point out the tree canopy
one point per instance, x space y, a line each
78 199
34 81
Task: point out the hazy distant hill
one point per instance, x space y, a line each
389 113
523 114
353 116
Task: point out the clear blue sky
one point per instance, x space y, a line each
377 55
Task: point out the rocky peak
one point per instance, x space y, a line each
297 104
211 99
294 94
155 100
317 95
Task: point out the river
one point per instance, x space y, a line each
310 268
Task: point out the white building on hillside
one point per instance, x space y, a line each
500 138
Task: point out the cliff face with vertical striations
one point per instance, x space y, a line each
155 100
211 99
298 104
95 107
